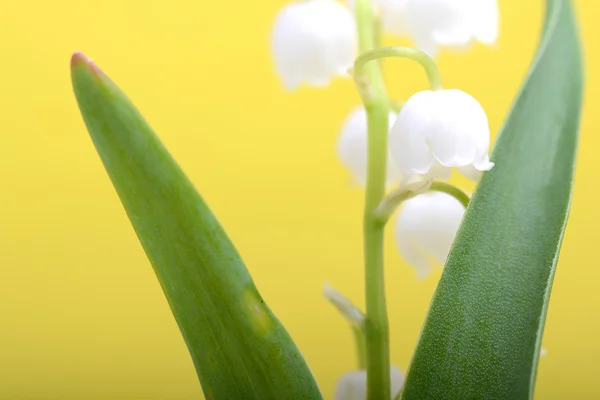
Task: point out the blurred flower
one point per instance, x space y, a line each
393 16
353 385
448 127
352 147
313 41
426 228
434 23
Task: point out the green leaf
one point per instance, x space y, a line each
239 348
482 336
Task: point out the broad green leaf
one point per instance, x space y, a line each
481 338
239 348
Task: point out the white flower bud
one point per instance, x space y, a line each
313 41
434 23
426 228
353 385
352 148
448 127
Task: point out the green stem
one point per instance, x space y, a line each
361 353
453 191
391 202
388 205
370 85
377 29
433 74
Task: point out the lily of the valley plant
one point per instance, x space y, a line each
482 335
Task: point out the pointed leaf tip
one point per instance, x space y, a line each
78 58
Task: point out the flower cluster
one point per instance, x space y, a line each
315 40
434 132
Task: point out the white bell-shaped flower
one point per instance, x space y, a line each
313 41
434 23
448 127
353 385
352 147
425 229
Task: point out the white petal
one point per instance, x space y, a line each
414 254
447 126
483 164
426 228
353 385
352 148
443 20
313 41
470 172
397 379
437 171
485 20
460 133
434 23
408 136
426 43
430 23
393 16
475 171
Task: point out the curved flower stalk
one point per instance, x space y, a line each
352 147
312 42
348 310
353 316
425 229
448 127
353 385
441 23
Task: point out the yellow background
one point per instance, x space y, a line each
81 313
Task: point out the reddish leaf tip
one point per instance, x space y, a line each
79 58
